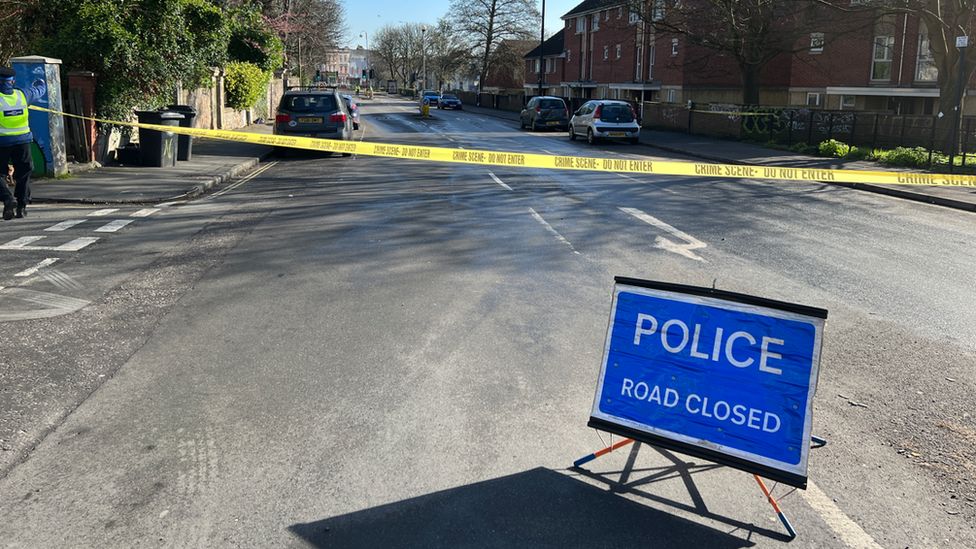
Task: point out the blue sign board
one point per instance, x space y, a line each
723 376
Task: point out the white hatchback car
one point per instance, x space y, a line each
603 119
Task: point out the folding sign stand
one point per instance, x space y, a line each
817 442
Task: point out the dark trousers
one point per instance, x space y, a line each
20 157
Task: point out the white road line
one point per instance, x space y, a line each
38 267
845 528
665 189
61 280
113 226
500 182
20 243
103 213
76 244
247 178
165 204
145 212
549 228
670 245
56 305
64 225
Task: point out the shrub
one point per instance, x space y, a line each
834 148
904 156
245 83
857 154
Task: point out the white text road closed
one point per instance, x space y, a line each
718 375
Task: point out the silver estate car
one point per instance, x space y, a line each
320 113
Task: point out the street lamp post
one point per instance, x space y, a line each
365 35
542 42
423 49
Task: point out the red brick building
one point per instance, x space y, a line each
549 59
609 52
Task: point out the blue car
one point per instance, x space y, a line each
430 97
449 101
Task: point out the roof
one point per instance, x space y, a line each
587 6
552 46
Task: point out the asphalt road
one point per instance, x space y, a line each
364 352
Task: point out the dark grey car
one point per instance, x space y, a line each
313 113
545 112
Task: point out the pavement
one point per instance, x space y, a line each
212 163
736 152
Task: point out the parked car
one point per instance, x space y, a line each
449 101
353 109
545 112
320 113
430 96
603 119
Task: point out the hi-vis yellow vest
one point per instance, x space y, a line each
13 118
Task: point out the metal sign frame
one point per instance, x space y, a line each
794 475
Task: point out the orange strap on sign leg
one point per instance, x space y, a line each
779 512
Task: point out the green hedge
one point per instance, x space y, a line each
244 83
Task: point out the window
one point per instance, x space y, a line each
620 12
606 52
537 66
925 69
596 22
674 47
606 15
580 25
813 99
550 65
658 10
816 42
569 56
672 96
848 102
618 51
883 54
639 75
634 17
650 62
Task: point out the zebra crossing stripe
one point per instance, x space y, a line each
64 225
113 226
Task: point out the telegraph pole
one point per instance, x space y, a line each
542 42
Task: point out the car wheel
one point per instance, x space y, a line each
572 134
534 127
521 123
355 126
590 138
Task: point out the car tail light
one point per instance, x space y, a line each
282 118
338 117
597 112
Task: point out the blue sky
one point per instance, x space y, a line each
370 15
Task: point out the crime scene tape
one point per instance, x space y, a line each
558 162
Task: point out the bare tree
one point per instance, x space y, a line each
308 29
483 24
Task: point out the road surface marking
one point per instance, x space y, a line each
38 267
20 243
171 203
103 213
845 528
500 182
113 226
61 280
549 228
74 245
145 212
64 225
670 245
57 305
665 189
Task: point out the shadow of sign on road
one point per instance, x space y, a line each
536 508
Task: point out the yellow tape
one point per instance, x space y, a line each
556 162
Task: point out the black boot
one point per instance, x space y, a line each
8 211
21 210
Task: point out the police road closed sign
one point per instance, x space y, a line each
722 376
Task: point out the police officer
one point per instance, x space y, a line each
15 140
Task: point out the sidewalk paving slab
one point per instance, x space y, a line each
213 163
736 152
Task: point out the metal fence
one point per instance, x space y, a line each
796 125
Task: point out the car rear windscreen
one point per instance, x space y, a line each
309 103
620 113
448 96
551 104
